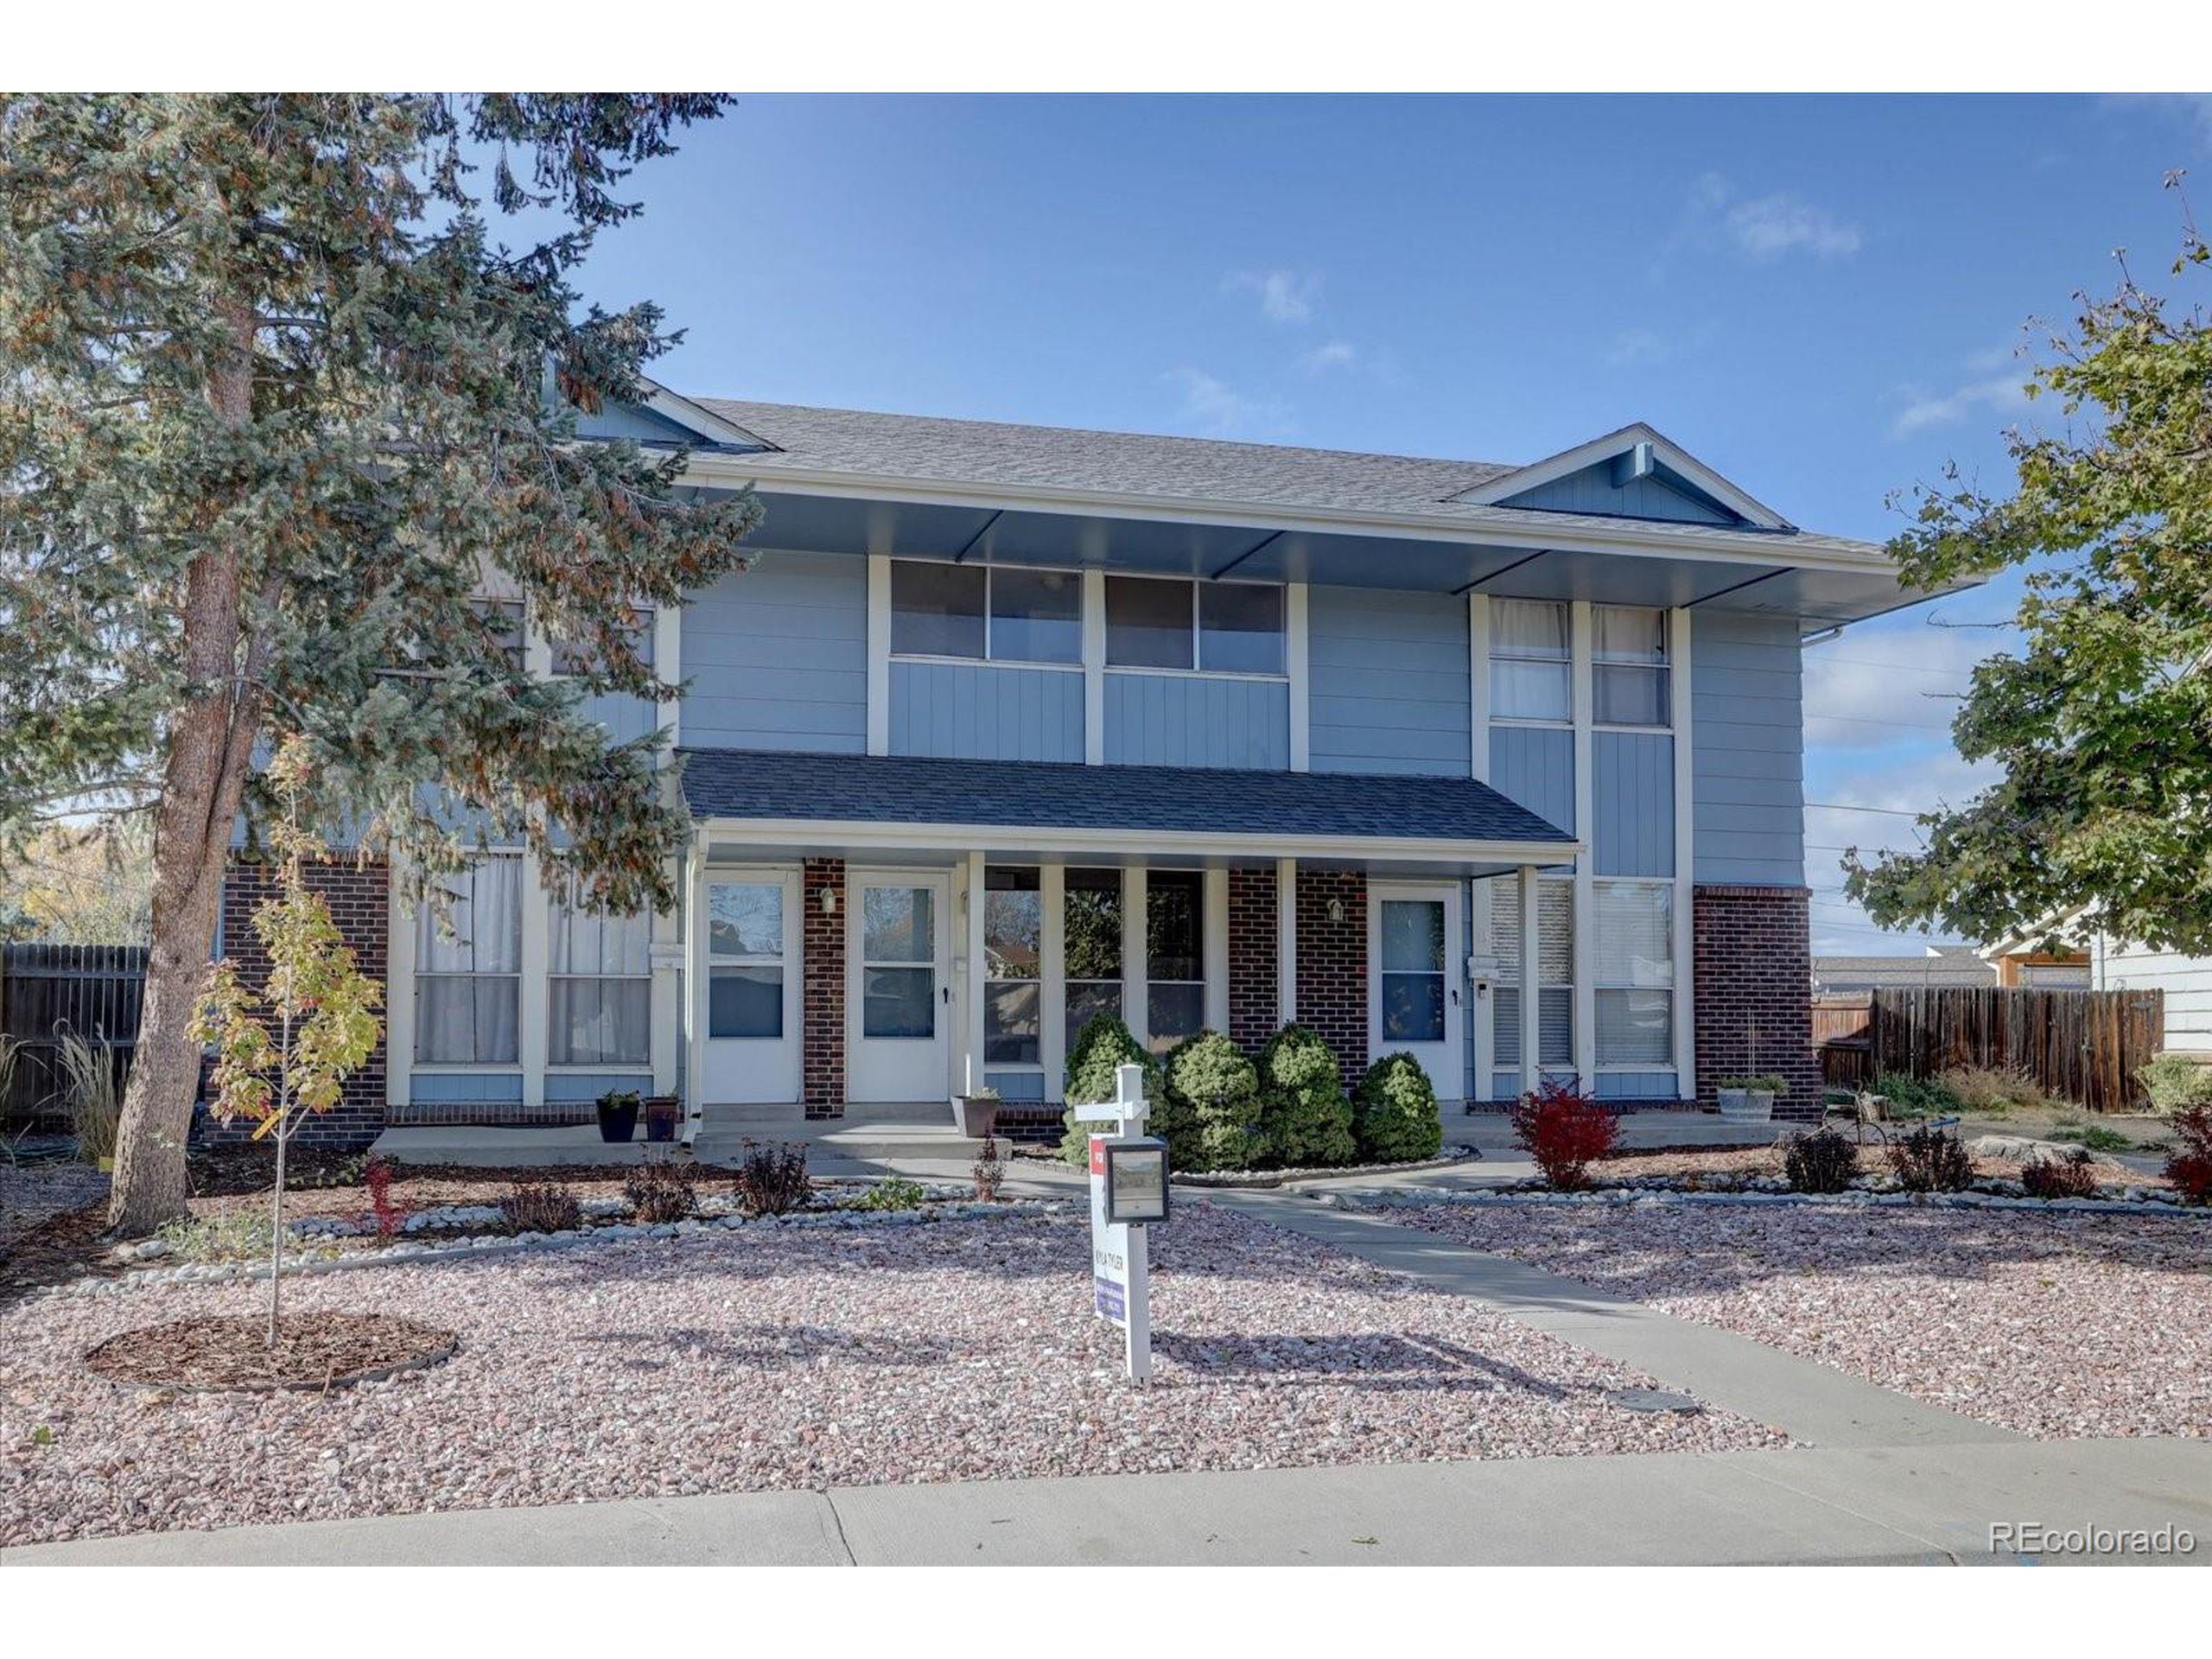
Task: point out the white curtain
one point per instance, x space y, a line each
468 987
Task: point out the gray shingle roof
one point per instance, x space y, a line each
1281 477
1014 794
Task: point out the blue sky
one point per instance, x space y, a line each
1819 297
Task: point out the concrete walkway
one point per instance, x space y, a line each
1859 1505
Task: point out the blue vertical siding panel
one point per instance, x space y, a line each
567 1088
1387 681
1632 799
1747 753
777 656
468 1088
1637 1085
982 711
1535 766
1183 720
1591 490
1505 1085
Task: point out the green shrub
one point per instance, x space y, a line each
1912 1096
1102 1044
1394 1113
1212 1120
240 1235
895 1193
2175 1082
1305 1115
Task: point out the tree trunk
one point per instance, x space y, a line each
203 780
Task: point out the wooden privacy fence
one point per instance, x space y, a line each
2080 1045
49 990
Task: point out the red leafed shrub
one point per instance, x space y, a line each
2073 1176
1565 1131
2189 1166
387 1215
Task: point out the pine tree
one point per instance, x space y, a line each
275 407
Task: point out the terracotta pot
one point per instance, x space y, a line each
979 1116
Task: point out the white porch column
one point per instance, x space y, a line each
1531 992
694 976
1052 977
666 1026
968 1071
1136 1001
531 1025
1213 890
1584 994
1285 941
1678 654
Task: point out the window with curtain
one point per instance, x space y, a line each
468 971
1175 991
1092 911
1632 926
1217 627
598 987
1014 933
1628 658
1530 660
993 613
1554 973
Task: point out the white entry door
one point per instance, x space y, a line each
752 935
898 998
1414 997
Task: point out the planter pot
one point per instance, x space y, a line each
1746 1105
661 1125
976 1118
617 1123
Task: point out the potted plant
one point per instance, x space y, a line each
978 1114
618 1115
1750 1100
663 1113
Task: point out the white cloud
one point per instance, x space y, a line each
1284 296
1781 224
1863 800
1999 395
1868 689
1217 407
1337 355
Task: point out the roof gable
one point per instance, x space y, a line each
665 418
1636 473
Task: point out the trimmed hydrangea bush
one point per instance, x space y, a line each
1394 1113
1213 1100
1304 1115
1103 1046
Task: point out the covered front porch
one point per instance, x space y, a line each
870 937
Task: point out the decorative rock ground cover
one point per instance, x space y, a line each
756 1358
2056 1324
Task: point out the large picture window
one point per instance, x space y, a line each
986 613
1529 661
599 988
1092 906
1217 627
1554 973
468 972
1628 659
1014 934
1633 937
1175 992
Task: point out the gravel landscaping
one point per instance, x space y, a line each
2058 1326
30 1193
767 1357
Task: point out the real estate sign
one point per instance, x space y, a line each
1128 1187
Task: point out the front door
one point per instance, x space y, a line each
899 997
752 986
1413 990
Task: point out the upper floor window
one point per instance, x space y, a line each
1530 660
1217 627
1628 657
992 612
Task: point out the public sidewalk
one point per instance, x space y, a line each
1855 1505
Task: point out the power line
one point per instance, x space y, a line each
1908 668
1887 811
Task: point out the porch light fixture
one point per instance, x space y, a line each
828 901
1335 909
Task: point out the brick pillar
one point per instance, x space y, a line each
1753 957
821 991
1332 963
1252 1016
360 899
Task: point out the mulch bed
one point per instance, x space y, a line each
314 1351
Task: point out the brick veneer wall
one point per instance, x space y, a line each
1332 964
821 991
1252 1016
360 899
1754 974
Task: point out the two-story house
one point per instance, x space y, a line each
1498 765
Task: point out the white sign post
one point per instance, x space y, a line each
1121 1286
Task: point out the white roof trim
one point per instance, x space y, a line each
1665 450
697 417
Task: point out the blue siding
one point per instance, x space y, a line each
980 711
627 421
561 1087
1591 490
1387 681
1632 799
1535 766
777 658
1025 1088
1747 755
1188 720
450 1088
1636 1085
1505 1085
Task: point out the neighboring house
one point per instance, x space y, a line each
1939 964
2099 962
1499 765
